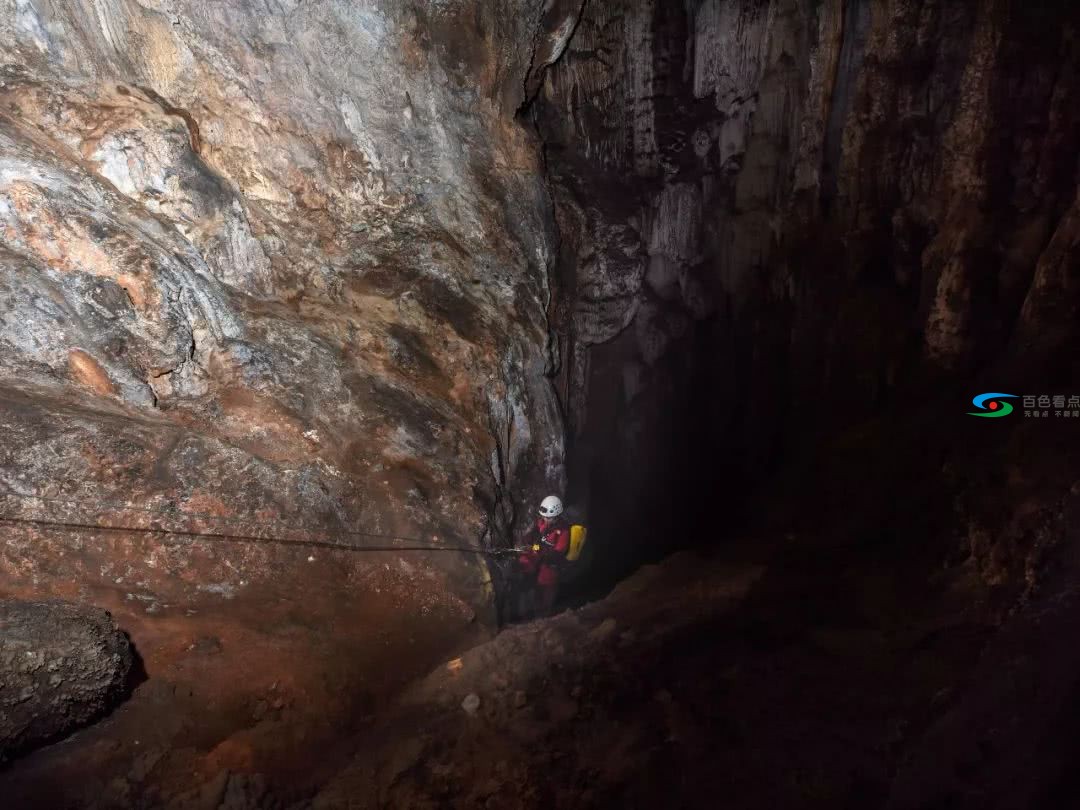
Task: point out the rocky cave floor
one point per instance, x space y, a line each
664 693
851 663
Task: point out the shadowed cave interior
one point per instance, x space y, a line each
307 305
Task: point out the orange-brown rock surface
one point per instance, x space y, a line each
278 263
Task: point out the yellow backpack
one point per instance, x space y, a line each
577 541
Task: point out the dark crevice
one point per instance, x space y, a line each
856 27
533 79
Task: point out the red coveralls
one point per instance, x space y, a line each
554 541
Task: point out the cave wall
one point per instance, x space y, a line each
279 263
322 259
781 217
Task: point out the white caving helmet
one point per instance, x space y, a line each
551 507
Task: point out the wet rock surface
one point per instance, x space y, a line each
61 667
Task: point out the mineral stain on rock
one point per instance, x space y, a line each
89 372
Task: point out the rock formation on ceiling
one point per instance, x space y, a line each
275 262
780 217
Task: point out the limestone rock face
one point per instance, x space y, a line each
796 213
278 262
61 666
315 264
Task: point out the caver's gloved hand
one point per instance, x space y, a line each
549 553
529 559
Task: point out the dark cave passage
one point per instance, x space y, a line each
781 296
653 482
761 248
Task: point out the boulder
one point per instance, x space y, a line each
61 666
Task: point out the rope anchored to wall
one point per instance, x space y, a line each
410 544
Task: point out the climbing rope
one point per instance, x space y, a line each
276 524
416 545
